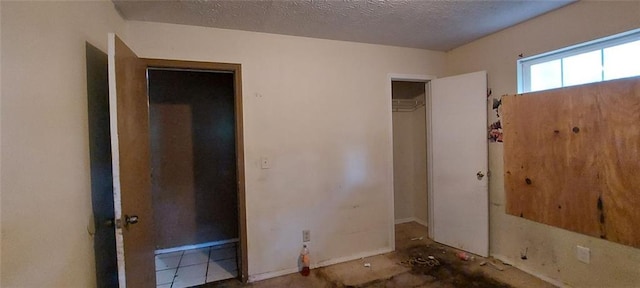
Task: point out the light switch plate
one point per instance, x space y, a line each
583 254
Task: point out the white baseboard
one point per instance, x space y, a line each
404 220
423 223
531 272
268 275
196 246
352 257
411 219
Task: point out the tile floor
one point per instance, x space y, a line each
196 267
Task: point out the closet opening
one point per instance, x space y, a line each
409 116
197 193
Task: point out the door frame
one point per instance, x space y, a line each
410 78
236 69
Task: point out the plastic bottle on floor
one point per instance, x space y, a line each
304 257
465 257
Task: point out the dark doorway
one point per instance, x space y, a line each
193 157
194 167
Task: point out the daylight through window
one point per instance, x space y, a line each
613 57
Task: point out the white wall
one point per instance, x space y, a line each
403 169
319 109
410 166
46 192
420 207
551 251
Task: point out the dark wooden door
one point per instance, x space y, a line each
131 165
104 240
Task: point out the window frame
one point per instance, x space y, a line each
524 64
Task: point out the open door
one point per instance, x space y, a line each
104 241
129 122
459 191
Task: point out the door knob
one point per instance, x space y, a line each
133 219
480 175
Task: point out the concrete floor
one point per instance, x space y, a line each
395 269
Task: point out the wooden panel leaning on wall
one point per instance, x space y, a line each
572 158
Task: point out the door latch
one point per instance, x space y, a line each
480 175
133 219
109 223
130 220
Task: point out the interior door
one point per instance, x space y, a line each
104 240
460 200
129 122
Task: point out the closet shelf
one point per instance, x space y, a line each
406 105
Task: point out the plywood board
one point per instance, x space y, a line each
572 158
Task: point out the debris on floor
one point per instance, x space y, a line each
419 261
417 238
498 267
465 256
427 263
414 264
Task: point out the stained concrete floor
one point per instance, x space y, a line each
395 269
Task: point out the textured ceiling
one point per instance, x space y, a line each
436 25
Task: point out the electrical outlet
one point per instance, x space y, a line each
265 163
583 254
306 235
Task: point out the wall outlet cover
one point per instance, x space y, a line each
583 254
265 163
306 235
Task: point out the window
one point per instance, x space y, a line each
613 57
